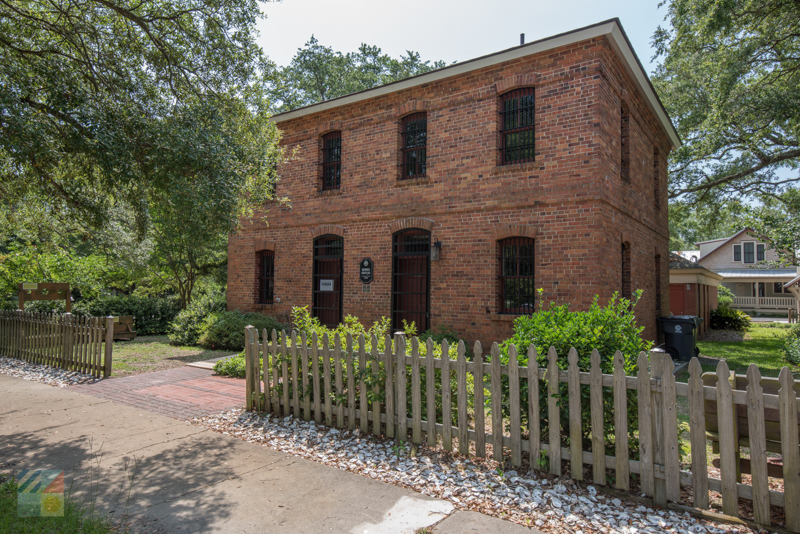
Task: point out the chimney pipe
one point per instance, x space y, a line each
521 39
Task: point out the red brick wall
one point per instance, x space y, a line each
572 198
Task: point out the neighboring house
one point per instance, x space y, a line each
450 198
756 288
692 289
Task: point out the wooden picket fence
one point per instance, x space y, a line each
71 342
292 383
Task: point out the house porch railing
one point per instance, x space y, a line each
764 302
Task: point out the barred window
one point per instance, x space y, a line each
517 133
516 282
415 140
331 161
266 276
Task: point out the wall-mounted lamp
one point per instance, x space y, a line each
436 251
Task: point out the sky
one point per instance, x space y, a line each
445 30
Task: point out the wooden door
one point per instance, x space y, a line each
327 280
411 279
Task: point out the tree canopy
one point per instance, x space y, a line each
105 102
729 78
317 73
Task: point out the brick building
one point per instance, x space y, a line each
468 188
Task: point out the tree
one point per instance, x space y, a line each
690 224
317 73
777 221
730 78
115 101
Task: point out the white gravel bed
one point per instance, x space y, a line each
52 376
533 499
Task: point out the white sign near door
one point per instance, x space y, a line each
326 285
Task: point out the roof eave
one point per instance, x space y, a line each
612 29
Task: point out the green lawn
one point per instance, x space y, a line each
761 346
154 353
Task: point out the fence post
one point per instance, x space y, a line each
109 348
657 366
248 367
67 359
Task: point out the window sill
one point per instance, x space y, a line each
263 306
410 182
527 166
329 193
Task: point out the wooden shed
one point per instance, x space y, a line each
692 289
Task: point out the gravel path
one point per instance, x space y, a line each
52 376
532 499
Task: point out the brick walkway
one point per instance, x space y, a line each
181 393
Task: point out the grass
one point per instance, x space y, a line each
761 346
77 518
154 353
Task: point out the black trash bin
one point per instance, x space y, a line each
680 336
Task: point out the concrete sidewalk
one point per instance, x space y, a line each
189 479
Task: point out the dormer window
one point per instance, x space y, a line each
331 161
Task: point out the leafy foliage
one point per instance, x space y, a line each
224 330
185 329
724 297
725 318
791 345
777 221
729 79
317 73
235 366
608 329
152 315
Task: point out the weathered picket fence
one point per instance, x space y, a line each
71 342
291 382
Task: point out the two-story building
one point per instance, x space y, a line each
740 261
452 197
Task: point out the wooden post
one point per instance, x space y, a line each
461 397
376 369
659 483
697 432
514 404
295 378
109 348
534 417
266 352
351 384
789 449
430 393
758 446
304 377
388 367
400 355
497 405
416 394
621 423
68 322
447 406
728 441
553 415
575 418
363 418
596 409
477 374
248 366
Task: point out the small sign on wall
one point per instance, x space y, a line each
365 270
326 285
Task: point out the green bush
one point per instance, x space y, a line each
724 297
724 318
224 330
185 328
791 345
608 329
234 366
152 315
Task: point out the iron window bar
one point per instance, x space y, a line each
415 140
517 291
517 121
411 278
266 277
331 161
328 264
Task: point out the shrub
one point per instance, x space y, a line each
791 345
224 330
724 297
608 329
152 315
233 366
185 328
724 318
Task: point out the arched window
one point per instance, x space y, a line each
517 289
266 276
327 279
517 132
331 161
411 263
415 141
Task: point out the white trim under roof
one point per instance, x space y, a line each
611 29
